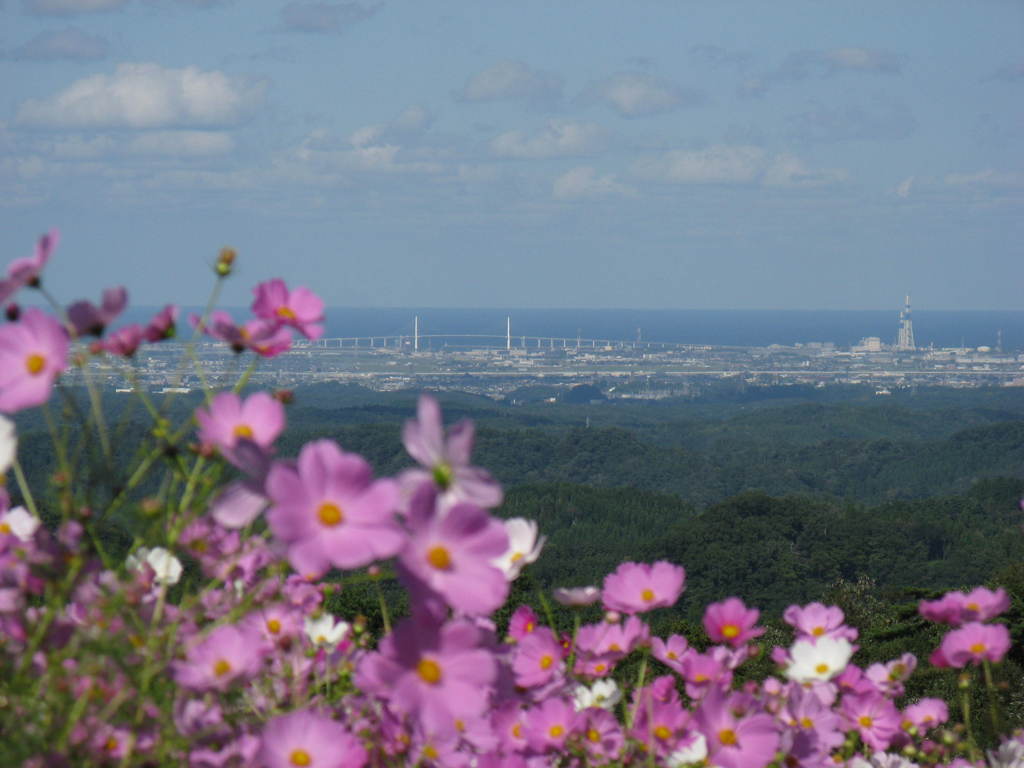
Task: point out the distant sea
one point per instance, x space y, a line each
971 328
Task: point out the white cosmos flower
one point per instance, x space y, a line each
694 752
822 659
19 522
523 547
8 444
166 567
325 631
603 693
576 596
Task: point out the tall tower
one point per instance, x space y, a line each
508 334
416 336
905 339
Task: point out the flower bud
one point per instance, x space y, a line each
13 312
284 396
225 260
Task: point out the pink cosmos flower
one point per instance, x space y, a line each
670 652
705 672
26 271
522 622
817 620
550 724
874 717
329 510
228 419
974 643
163 325
307 738
301 309
577 596
639 587
730 621
124 342
981 604
926 714
735 742
445 462
659 725
452 554
435 674
33 352
888 678
264 337
600 734
537 659
88 319
226 655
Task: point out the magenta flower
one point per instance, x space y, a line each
124 342
736 742
816 620
301 309
522 622
229 419
974 643
550 724
452 553
638 587
927 714
33 352
435 674
264 337
874 717
26 271
445 462
981 604
330 511
163 325
600 734
88 319
670 652
226 655
730 621
306 738
537 659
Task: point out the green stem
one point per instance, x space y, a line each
26 493
993 699
246 375
385 614
641 675
965 712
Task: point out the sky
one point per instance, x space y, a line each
540 153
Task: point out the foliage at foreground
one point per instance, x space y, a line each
206 637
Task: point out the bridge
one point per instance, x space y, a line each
441 341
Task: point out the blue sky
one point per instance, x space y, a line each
554 153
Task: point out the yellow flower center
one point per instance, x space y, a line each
593 735
671 655
110 744
818 631
517 730
439 558
546 661
300 757
34 364
865 721
330 514
429 671
662 732
727 736
244 431
5 528
430 752
600 668
529 626
285 313
556 731
806 722
443 475
273 626
516 557
647 595
978 648
730 631
972 607
821 669
222 667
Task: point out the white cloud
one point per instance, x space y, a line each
637 94
559 138
585 183
70 43
512 81
724 164
320 151
146 96
80 148
181 143
412 122
323 18
802 65
988 178
68 7
903 188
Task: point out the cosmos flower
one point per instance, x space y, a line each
524 547
226 655
88 319
301 308
820 660
166 567
33 352
577 596
8 444
228 419
730 621
27 271
307 738
639 587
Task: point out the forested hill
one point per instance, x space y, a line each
776 551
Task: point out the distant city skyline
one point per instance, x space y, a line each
655 154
